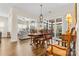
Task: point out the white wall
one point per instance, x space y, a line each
5 29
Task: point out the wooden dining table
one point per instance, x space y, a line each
35 36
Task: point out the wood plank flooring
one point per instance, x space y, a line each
20 48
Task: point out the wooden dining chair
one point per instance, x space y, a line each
48 39
44 39
59 50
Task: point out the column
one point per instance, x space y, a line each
77 29
13 28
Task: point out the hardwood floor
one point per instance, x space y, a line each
20 48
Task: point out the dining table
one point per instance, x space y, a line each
36 36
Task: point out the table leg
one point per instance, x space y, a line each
31 41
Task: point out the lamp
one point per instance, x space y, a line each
69 20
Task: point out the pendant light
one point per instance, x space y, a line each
41 15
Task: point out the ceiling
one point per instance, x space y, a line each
50 10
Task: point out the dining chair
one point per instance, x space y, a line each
58 49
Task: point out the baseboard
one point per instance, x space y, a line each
4 37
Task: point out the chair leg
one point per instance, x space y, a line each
74 53
48 42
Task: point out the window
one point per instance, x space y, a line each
54 30
57 27
20 26
1 24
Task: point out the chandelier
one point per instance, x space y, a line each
41 15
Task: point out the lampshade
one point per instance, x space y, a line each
69 17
